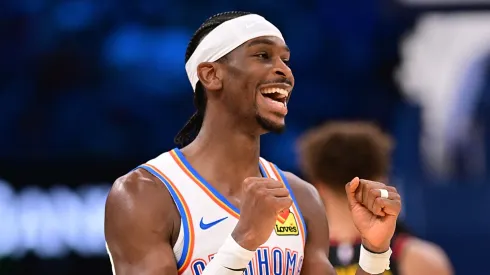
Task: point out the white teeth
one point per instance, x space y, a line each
280 104
275 90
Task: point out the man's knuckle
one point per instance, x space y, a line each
261 192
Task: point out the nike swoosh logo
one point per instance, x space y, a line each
205 226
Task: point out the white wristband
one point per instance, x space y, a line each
374 263
231 259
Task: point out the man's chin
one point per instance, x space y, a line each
270 125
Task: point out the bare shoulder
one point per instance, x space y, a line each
423 257
305 193
138 195
133 183
138 188
140 218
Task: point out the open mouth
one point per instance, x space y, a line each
277 95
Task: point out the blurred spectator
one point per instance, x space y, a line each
334 154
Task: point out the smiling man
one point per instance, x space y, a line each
215 206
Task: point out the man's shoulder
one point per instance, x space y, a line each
141 175
138 186
304 192
135 181
307 196
293 180
139 218
300 185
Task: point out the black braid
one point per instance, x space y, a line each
193 126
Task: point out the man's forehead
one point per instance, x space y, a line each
266 40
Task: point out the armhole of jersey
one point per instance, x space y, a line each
178 247
186 219
286 183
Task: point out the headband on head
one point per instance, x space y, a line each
227 37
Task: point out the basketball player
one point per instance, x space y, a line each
214 206
334 153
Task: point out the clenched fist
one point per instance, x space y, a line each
375 208
264 199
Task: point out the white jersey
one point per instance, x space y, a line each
207 218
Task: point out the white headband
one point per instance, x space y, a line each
227 37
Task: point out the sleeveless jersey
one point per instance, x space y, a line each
345 257
207 218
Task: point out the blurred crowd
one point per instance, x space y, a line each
98 77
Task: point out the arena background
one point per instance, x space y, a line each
89 89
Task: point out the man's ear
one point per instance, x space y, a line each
211 76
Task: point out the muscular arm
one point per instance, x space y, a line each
423 258
139 219
317 244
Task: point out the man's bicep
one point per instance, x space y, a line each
137 230
156 259
317 243
317 247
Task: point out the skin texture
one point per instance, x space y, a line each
141 222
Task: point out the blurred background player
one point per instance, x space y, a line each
334 153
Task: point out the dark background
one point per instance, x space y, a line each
90 89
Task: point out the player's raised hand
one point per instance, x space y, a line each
264 199
375 208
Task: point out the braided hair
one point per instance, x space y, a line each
190 130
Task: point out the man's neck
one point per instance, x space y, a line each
224 154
